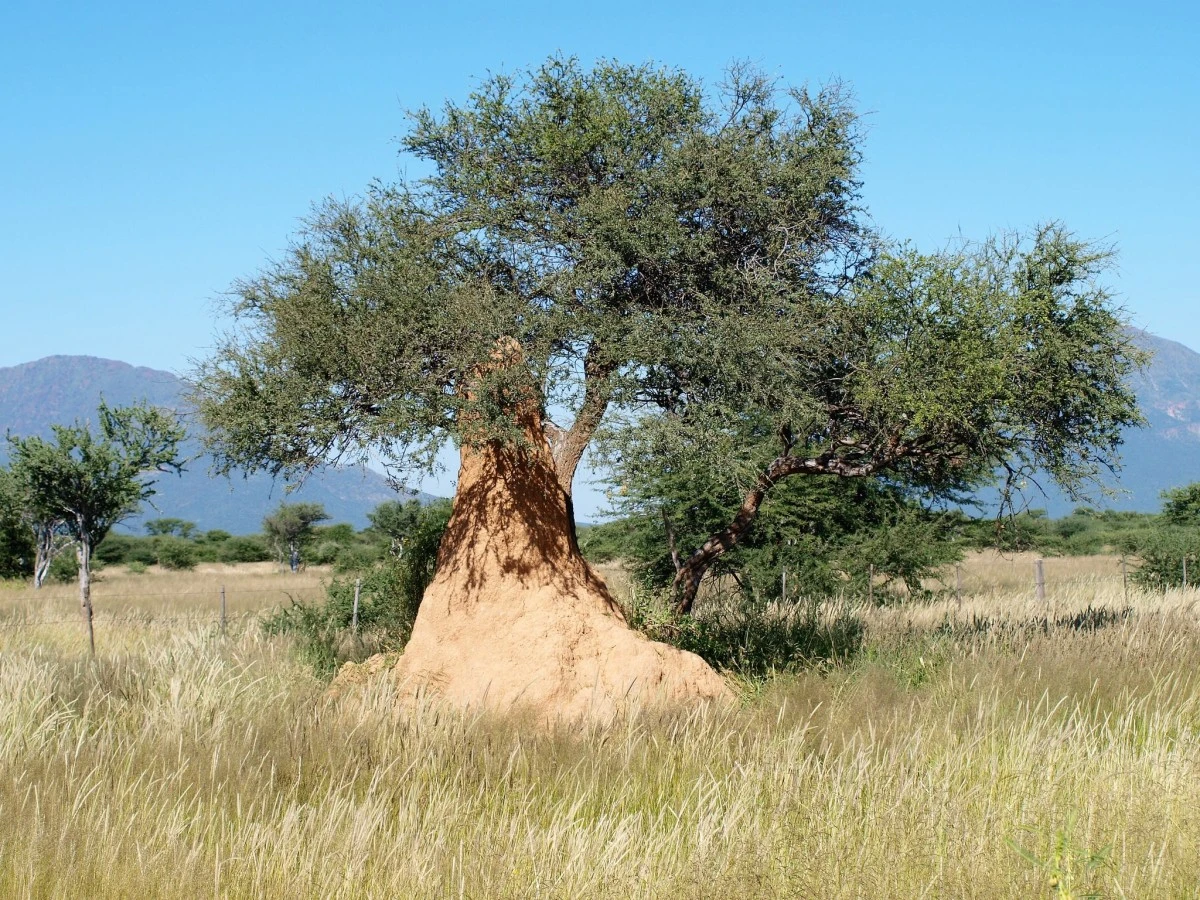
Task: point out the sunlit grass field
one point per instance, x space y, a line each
1002 747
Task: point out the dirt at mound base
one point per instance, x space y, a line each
515 617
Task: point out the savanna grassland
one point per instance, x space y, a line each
1004 747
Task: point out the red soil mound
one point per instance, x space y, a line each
515 617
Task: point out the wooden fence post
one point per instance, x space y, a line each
354 617
222 610
1124 580
1040 579
871 584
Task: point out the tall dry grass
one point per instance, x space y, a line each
181 764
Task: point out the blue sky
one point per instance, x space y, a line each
150 154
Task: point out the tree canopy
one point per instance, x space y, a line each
1181 506
290 529
17 551
694 270
605 219
89 482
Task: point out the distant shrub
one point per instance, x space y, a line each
245 549
389 598
1162 552
356 559
64 568
136 568
121 549
176 554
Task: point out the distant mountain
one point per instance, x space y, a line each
1165 454
61 389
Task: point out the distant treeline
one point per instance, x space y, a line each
825 545
175 543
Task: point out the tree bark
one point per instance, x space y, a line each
83 554
43 536
567 445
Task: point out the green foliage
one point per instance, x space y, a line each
598 217
392 522
420 559
753 641
93 481
330 542
170 526
696 265
89 482
117 549
176 553
64 569
390 596
607 541
244 549
137 568
1182 506
289 530
823 532
935 371
1084 532
1161 553
16 540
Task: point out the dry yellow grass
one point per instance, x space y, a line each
180 764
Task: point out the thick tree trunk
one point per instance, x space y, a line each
83 554
516 618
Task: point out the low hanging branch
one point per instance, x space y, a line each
691 572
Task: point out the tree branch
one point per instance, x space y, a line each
567 445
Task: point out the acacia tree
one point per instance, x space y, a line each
45 532
91 482
395 521
620 244
16 544
587 216
290 528
812 537
1181 505
935 372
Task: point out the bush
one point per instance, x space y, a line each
356 559
389 598
176 554
386 611
137 568
246 549
117 549
754 640
64 568
1162 552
